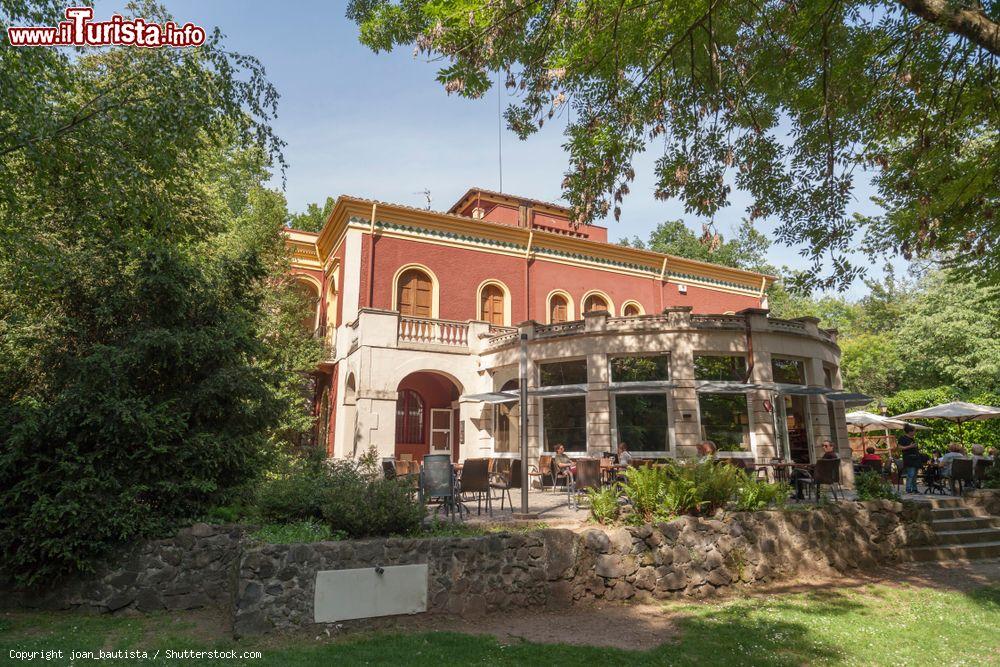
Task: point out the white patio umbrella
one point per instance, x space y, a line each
860 421
956 411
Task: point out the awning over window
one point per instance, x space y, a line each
491 397
849 397
797 389
555 391
559 390
725 387
653 386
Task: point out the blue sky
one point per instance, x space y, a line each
380 126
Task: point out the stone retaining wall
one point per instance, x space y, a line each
552 568
191 570
987 499
272 587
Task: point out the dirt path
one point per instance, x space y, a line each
645 626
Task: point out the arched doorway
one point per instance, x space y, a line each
427 420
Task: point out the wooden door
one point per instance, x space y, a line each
594 302
441 434
491 305
558 311
414 294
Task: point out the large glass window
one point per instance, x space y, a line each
564 422
563 372
725 420
718 368
643 421
640 369
788 371
793 427
409 418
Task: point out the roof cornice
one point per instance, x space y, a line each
543 243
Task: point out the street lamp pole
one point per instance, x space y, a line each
523 377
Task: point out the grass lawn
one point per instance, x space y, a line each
872 625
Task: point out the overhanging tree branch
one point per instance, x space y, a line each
969 22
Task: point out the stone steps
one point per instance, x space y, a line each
966 523
956 513
973 536
961 533
949 552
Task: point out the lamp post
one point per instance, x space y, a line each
523 402
884 410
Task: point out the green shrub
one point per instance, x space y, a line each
348 496
870 486
756 494
645 488
604 505
297 494
691 487
297 532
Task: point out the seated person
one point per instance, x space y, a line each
706 451
829 452
624 455
955 451
994 453
979 452
871 457
562 462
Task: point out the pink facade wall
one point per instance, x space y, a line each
460 271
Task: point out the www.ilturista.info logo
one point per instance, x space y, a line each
79 30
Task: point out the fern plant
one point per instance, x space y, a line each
604 505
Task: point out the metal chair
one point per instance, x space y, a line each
588 476
961 472
827 471
543 469
933 480
437 484
980 471
511 479
476 481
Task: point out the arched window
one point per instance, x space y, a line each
491 305
409 418
631 310
595 302
415 294
309 295
558 309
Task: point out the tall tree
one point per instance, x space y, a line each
313 218
140 380
785 100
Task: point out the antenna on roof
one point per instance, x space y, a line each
427 195
499 129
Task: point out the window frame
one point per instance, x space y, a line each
403 423
505 295
570 313
435 289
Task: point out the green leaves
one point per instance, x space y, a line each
146 366
791 102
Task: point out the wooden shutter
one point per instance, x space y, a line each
557 310
631 310
594 302
414 294
491 305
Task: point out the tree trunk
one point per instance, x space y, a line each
972 23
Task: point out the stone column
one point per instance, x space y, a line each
684 404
